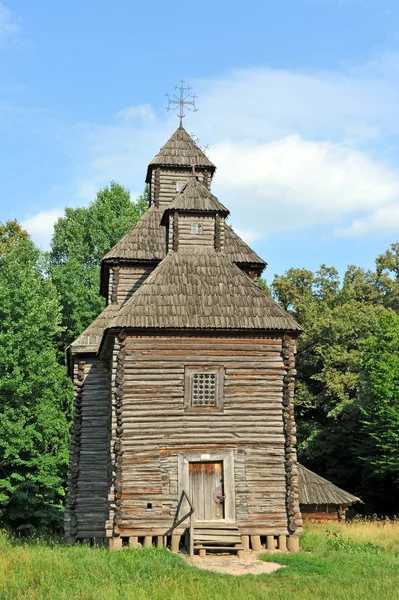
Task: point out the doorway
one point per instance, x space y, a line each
207 490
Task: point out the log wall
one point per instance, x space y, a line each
164 183
89 468
153 428
129 280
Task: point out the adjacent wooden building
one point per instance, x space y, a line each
321 500
184 384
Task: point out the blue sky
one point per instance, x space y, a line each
298 99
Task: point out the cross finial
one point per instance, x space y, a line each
182 100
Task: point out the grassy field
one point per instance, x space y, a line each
352 561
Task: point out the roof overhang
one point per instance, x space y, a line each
111 332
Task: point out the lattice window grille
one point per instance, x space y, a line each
204 392
197 228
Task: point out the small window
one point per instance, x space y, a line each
204 388
197 228
179 186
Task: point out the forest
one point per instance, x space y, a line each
347 392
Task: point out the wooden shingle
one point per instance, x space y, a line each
198 288
314 489
180 151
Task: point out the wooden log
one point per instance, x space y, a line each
240 550
148 541
245 542
115 543
282 543
270 543
175 543
134 542
293 543
160 541
202 553
255 543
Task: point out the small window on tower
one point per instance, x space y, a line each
196 228
204 388
179 186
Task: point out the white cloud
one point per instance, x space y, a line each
8 26
41 226
142 111
294 183
293 149
383 220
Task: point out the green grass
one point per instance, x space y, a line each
337 562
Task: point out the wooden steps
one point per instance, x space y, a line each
217 536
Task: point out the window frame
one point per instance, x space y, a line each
189 372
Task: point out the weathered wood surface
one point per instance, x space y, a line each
154 428
129 280
87 502
166 184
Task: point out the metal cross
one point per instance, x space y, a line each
182 100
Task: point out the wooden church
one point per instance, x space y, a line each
184 431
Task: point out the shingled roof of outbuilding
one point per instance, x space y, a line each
180 151
196 197
314 489
197 288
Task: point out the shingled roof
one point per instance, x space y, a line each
90 339
145 241
197 288
238 251
180 151
314 489
195 196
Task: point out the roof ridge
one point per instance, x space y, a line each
203 289
196 196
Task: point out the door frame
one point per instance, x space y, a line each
227 458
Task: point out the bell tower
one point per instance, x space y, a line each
169 171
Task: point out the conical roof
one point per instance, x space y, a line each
197 288
195 196
180 151
314 489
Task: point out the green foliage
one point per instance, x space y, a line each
35 398
338 322
11 232
81 238
321 571
380 398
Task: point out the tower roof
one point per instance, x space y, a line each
195 196
145 241
180 151
197 288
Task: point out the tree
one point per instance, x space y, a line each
380 403
35 395
11 232
337 320
81 238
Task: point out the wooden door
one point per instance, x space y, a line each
207 490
